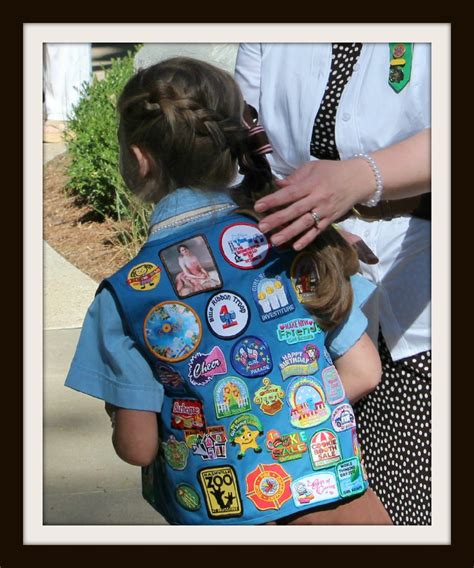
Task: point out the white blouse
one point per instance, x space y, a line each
286 83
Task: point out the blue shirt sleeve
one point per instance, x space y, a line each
343 337
107 363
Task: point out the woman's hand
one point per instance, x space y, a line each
331 188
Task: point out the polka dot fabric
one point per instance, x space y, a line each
323 139
394 429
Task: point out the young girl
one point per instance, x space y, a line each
224 391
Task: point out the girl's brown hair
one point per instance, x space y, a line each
187 116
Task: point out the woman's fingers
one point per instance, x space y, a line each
310 235
284 216
301 224
284 196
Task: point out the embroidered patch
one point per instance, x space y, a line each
304 277
187 414
251 357
333 385
304 362
307 403
203 367
187 497
297 330
244 431
144 276
349 476
286 447
176 453
191 267
269 397
172 331
231 397
209 444
343 418
315 488
221 489
171 380
268 486
244 246
324 449
271 297
227 315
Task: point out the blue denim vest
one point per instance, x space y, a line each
255 425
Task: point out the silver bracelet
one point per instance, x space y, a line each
373 201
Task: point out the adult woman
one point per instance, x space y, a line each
325 107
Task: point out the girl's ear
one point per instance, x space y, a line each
143 159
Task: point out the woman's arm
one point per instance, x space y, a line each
359 368
334 187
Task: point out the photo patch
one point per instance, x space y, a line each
269 397
209 444
203 367
176 453
244 431
172 331
220 487
144 276
297 330
343 418
271 297
244 246
324 449
231 397
191 267
187 497
304 362
333 385
315 488
349 476
286 447
251 357
187 414
307 403
268 486
304 277
227 315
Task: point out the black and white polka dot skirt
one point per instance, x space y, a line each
394 430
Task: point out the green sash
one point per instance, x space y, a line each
401 55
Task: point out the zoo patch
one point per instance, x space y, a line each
349 476
244 431
244 246
227 314
144 276
172 331
307 403
333 385
343 418
187 414
251 357
286 447
209 444
187 497
304 362
271 297
268 486
269 397
313 489
304 277
204 366
324 449
176 453
171 380
231 397
221 489
297 330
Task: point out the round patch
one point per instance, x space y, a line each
187 497
144 276
251 357
304 276
343 418
172 331
244 246
227 314
268 486
307 403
